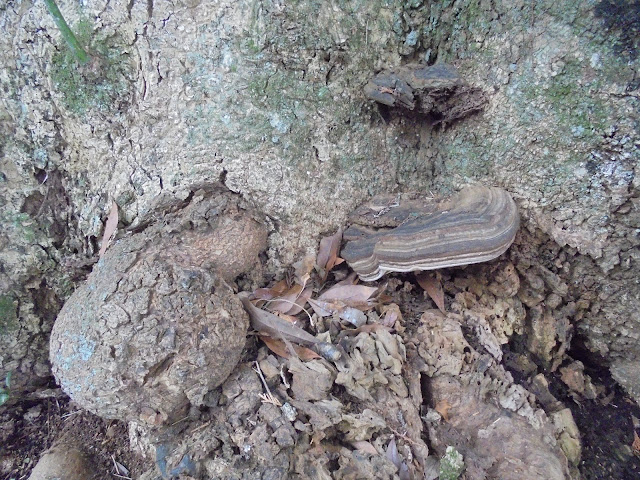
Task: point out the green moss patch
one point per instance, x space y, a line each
8 315
102 84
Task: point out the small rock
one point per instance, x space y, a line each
7 463
270 368
553 300
569 439
540 388
64 462
506 282
573 376
289 411
311 380
33 413
531 291
361 426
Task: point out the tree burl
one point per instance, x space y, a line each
156 326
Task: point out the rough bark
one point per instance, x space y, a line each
267 99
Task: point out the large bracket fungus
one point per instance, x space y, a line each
476 225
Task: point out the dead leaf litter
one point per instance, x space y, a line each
386 356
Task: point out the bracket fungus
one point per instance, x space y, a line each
437 91
476 225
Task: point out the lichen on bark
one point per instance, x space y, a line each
102 83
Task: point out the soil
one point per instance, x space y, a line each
25 436
606 425
607 435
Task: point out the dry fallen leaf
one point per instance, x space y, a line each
274 326
351 295
432 284
285 302
350 314
391 315
300 302
289 318
354 316
383 298
279 348
636 444
303 269
120 468
443 407
272 292
328 252
364 447
392 453
109 228
350 279
322 309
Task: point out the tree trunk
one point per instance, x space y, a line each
266 99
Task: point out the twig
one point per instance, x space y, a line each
292 303
178 421
284 379
266 397
204 425
117 469
270 399
366 33
47 393
70 413
388 207
403 436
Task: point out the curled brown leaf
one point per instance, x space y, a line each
269 324
301 301
328 252
303 269
432 284
109 229
391 314
280 348
272 292
285 302
350 294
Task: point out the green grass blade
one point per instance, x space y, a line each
67 34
